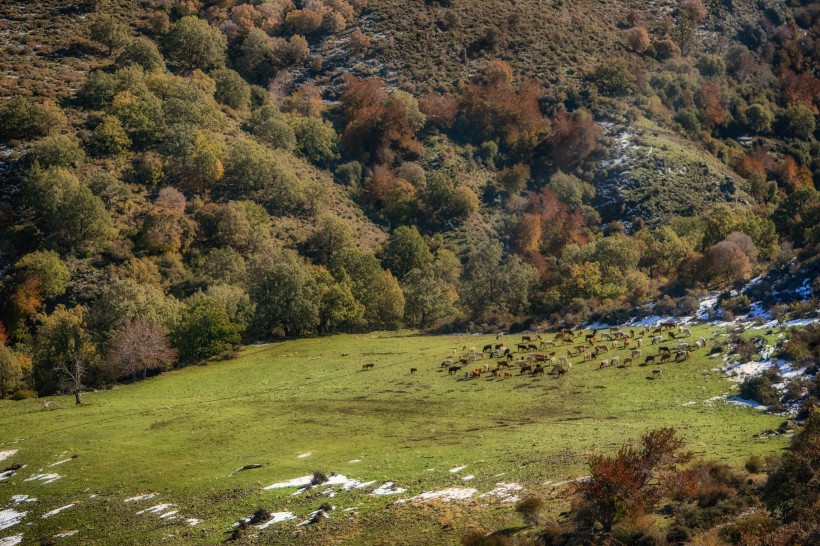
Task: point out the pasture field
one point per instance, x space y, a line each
182 435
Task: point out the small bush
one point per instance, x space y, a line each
530 508
755 464
23 394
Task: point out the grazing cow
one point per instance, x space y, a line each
636 354
477 372
559 371
588 356
664 349
569 353
547 344
446 363
681 356
639 342
453 369
614 361
657 339
657 373
671 334
702 341
683 345
480 356
507 374
502 364
368 366
496 372
668 324
526 338
606 336
532 347
649 358
614 345
631 333
686 331
563 360
602 348
498 346
486 367
666 357
642 332
657 330
627 341
521 346
525 369
487 348
539 369
627 362
510 357
591 335
603 364
472 350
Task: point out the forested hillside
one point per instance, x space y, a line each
180 177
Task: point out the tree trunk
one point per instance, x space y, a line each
77 396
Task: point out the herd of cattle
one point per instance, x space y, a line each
595 348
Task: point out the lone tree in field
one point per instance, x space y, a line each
138 347
109 32
63 352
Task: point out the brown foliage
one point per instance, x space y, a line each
573 139
713 112
441 110
637 39
139 347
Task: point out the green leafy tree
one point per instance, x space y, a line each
231 89
430 300
204 331
373 287
236 302
225 265
514 179
253 168
57 151
23 118
614 78
406 250
797 121
193 43
286 295
332 235
271 126
110 32
142 52
570 189
338 307
11 373
316 140
496 283
63 352
50 271
758 118
110 137
127 299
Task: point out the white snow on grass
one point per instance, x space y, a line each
156 509
295 482
13 540
10 517
355 461
334 479
468 478
146 496
739 372
66 534
6 475
58 463
444 495
388 488
169 515
743 402
58 510
457 469
505 492
193 521
6 454
276 517
45 478
303 455
18 499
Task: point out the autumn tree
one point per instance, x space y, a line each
637 39
193 43
139 347
110 32
63 352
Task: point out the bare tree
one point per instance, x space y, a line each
138 347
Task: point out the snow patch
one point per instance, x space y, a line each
58 510
742 402
17 499
13 540
388 488
58 463
141 497
505 492
303 455
355 461
8 453
156 509
45 478
10 517
65 534
457 469
193 521
295 482
276 517
468 478
334 479
444 495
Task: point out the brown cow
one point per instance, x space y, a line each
539 369
627 362
664 349
657 373
453 369
526 338
521 346
666 357
413 370
368 366
524 369
650 358
477 372
507 374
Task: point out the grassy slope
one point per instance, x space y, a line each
182 434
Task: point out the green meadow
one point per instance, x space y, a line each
183 435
